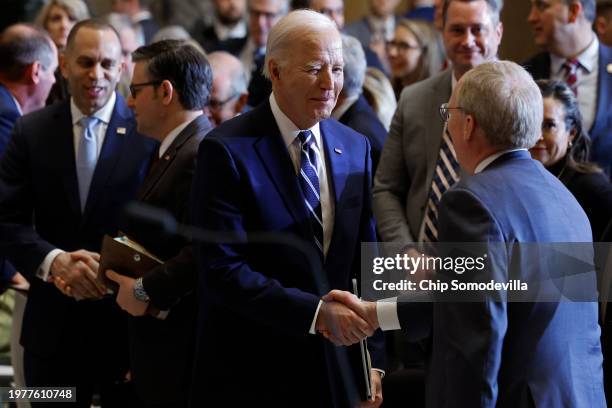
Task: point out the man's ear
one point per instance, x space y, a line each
273 69
469 127
241 103
575 10
167 92
32 73
63 63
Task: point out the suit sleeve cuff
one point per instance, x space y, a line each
386 311
314 321
44 270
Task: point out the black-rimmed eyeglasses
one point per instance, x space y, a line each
445 111
217 104
134 88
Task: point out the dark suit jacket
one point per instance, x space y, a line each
161 351
8 115
361 118
40 211
149 29
260 87
257 302
601 131
502 354
207 37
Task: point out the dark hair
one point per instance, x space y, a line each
183 65
578 154
93 24
22 45
495 6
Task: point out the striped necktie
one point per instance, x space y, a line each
309 182
445 176
571 66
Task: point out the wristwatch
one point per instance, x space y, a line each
139 291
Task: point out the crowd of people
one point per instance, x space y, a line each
290 138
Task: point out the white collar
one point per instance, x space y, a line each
103 114
486 162
587 58
170 137
289 131
223 32
141 16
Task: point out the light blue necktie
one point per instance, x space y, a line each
87 155
309 182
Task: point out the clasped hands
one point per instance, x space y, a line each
344 319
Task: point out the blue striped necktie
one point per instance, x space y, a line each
309 182
445 176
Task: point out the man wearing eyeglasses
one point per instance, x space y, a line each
229 88
65 176
572 53
171 83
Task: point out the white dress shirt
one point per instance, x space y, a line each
586 83
104 115
165 144
224 32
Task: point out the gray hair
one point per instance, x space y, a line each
22 45
76 9
495 6
354 65
285 34
505 102
222 61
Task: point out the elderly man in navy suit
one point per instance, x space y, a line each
574 54
66 173
284 168
488 352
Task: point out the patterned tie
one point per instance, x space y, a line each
87 155
445 176
309 182
571 66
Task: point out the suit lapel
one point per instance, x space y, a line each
275 159
335 160
66 155
198 125
603 94
112 149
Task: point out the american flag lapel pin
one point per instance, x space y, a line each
121 131
337 150
609 68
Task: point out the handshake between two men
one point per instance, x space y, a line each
344 319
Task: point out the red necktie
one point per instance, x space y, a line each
571 66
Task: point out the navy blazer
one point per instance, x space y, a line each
257 302
502 354
361 118
8 116
601 131
40 209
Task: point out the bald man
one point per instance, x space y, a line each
229 89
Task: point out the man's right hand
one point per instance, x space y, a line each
341 325
77 270
365 310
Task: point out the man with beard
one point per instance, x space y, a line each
228 31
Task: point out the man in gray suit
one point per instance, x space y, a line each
414 149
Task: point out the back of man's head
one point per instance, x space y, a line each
183 65
20 46
225 65
354 66
505 102
495 7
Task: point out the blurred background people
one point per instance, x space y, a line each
138 11
603 22
414 53
423 10
58 17
227 32
129 42
229 87
563 149
352 108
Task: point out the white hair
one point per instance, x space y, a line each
505 102
287 33
354 65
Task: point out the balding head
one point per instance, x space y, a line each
229 89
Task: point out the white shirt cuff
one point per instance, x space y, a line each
45 267
386 311
314 321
